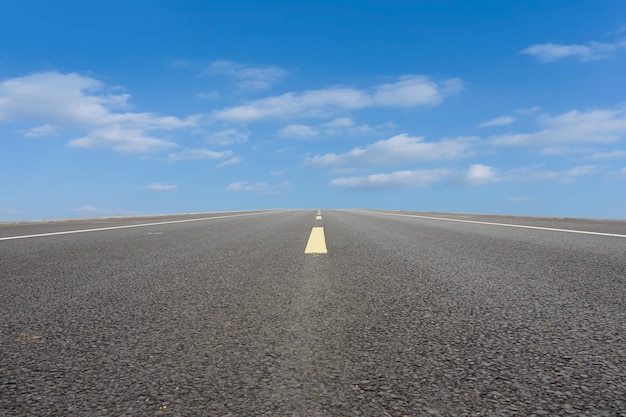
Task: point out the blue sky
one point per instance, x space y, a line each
139 107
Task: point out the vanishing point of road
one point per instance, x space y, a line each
313 313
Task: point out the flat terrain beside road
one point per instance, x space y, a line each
407 314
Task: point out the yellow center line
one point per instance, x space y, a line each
317 241
318 217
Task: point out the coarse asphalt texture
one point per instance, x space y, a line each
227 316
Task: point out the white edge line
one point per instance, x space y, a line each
582 232
129 226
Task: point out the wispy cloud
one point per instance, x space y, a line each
42 131
228 137
347 126
475 175
259 187
73 101
160 187
310 103
414 90
609 155
254 78
406 92
564 150
199 153
122 139
232 161
566 176
528 111
340 123
498 121
398 150
410 179
550 52
338 126
213 95
601 126
479 174
298 131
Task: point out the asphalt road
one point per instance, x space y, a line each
227 316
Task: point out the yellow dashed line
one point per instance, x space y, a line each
317 241
318 217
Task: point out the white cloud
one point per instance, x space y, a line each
411 179
344 171
248 77
498 121
232 161
160 187
309 103
259 187
64 98
407 91
574 127
298 131
228 137
475 175
397 150
73 101
563 150
338 126
565 176
528 111
43 130
279 172
549 52
479 174
609 155
346 126
199 153
340 123
122 139
414 90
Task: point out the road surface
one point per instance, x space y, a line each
224 314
